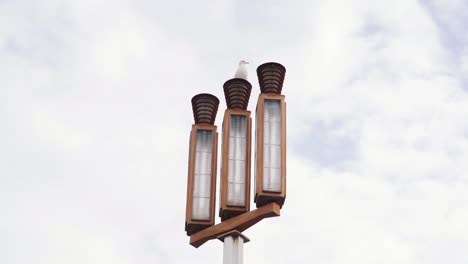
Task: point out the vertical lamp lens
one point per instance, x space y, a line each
202 179
237 160
272 146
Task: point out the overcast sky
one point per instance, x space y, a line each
95 117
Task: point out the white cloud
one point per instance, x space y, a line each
95 101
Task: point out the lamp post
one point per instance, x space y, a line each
270 162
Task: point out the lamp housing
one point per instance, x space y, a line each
270 149
236 163
236 150
202 165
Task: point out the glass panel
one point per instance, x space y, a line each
272 146
202 176
237 147
237 160
236 171
273 182
201 208
236 194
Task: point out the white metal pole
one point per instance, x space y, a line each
233 247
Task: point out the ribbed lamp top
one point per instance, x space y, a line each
271 77
205 108
237 93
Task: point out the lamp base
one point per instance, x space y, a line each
191 228
265 198
230 212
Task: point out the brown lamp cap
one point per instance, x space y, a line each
205 108
271 77
237 93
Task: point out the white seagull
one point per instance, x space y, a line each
242 70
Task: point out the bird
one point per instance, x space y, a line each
242 70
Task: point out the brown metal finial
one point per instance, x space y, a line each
271 77
237 93
205 107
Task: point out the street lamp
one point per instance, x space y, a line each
201 183
270 163
236 149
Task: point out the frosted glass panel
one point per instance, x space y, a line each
201 208
202 176
272 146
237 147
237 160
236 171
236 194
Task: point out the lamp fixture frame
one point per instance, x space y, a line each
227 211
194 225
263 197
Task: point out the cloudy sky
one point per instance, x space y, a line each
95 117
